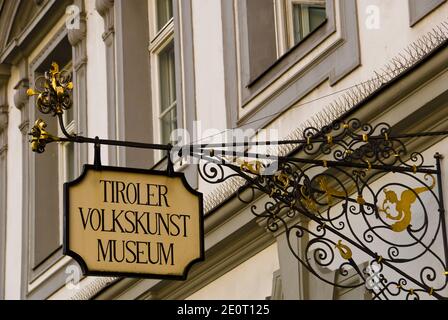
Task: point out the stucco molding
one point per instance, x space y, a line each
20 96
4 107
106 10
3 151
3 188
78 40
49 13
102 6
3 110
21 99
419 9
3 118
58 36
9 10
77 37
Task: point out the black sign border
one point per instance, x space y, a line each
80 260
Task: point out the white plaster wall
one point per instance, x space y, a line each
209 63
251 280
14 199
96 79
209 69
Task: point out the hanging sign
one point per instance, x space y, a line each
131 222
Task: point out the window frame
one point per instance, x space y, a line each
284 23
338 38
3 182
160 39
63 154
41 280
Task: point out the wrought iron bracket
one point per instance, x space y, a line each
365 197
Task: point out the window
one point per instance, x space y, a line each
67 168
306 17
168 114
163 70
164 12
47 184
296 19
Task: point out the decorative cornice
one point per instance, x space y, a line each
103 6
24 127
105 9
3 104
3 150
62 31
77 35
77 39
20 96
49 13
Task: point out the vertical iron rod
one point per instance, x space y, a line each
439 158
97 155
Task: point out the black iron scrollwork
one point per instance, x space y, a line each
347 210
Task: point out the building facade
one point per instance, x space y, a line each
263 69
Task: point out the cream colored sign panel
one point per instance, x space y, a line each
133 222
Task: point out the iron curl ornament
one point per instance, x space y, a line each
363 204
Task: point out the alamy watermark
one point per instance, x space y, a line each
373 17
73 17
373 280
192 147
73 273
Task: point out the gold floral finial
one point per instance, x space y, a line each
53 96
40 137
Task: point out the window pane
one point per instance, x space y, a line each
316 16
297 22
169 124
167 77
306 17
164 12
69 116
70 161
